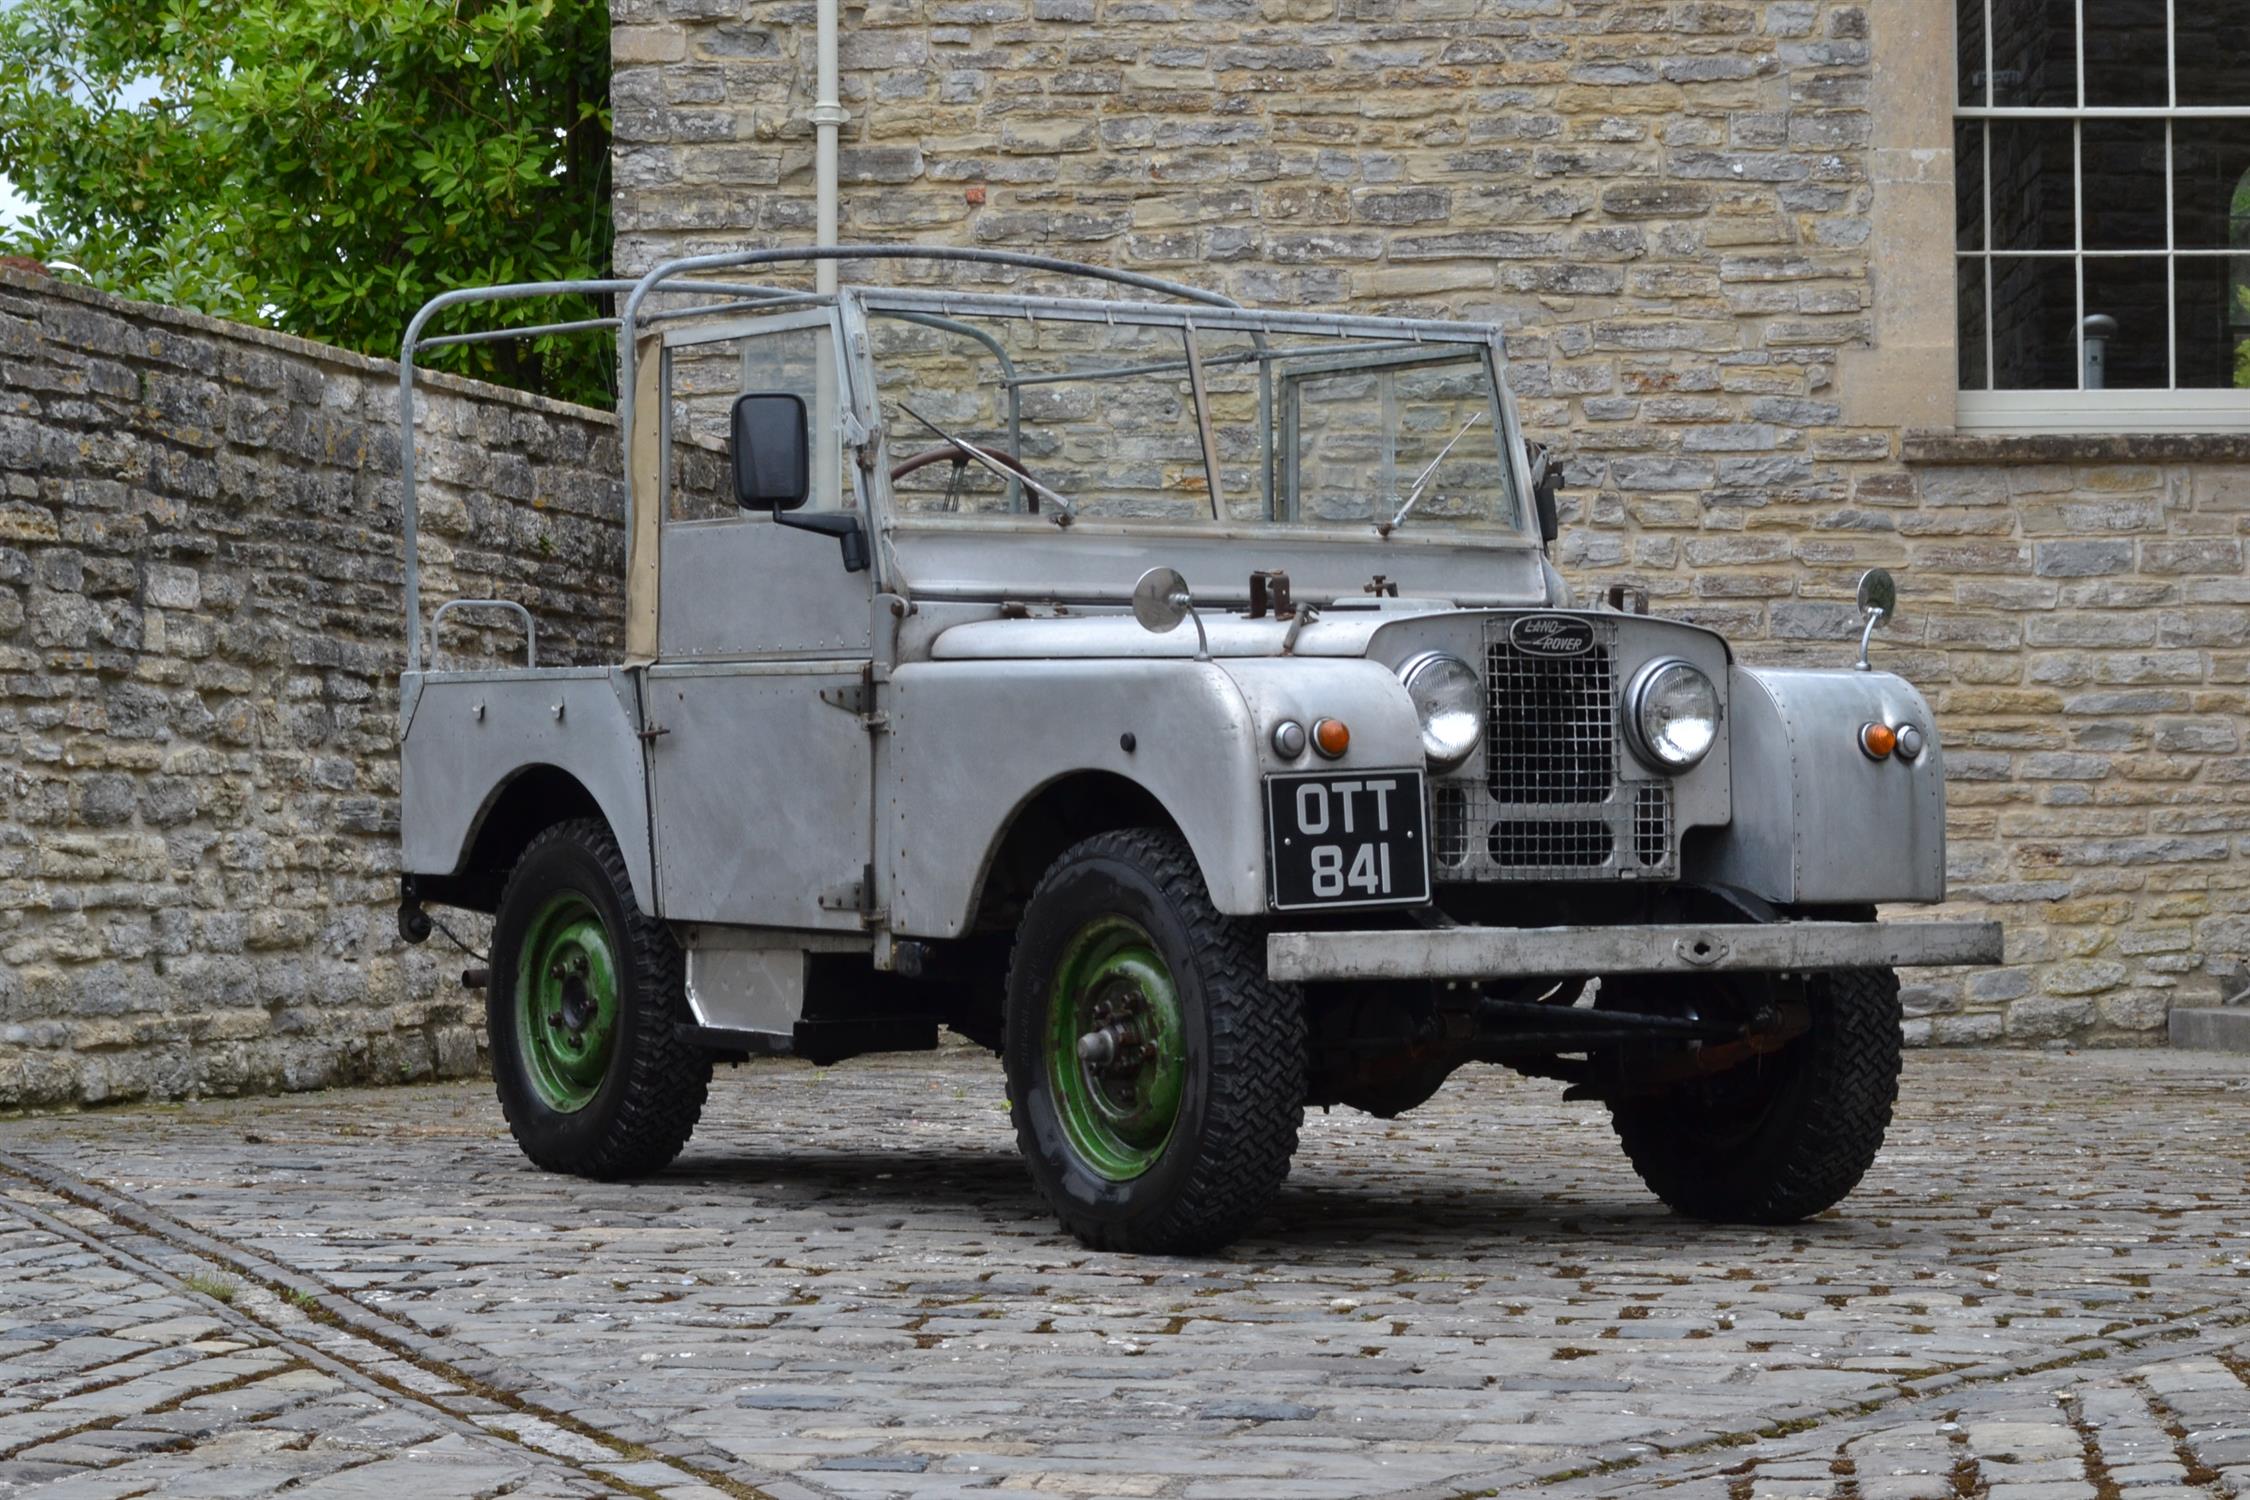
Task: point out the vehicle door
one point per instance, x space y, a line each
760 757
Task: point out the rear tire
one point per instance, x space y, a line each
1781 1137
582 1013
1176 1144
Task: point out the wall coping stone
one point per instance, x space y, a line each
181 318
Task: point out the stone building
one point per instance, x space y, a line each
1800 286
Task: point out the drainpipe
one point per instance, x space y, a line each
828 117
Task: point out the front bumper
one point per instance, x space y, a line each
1535 952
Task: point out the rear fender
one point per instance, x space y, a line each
470 736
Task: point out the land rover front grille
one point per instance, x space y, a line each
1550 725
1553 801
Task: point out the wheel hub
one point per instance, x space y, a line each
1116 1051
566 991
578 1009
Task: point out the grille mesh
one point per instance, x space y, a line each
1549 802
1652 824
1551 726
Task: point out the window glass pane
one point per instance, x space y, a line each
2122 165
2031 185
2035 53
1968 184
2214 321
2210 193
1116 444
706 378
2034 323
2214 53
1970 301
1367 437
2130 290
1968 40
2126 52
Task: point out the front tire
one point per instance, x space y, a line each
1778 1138
582 1013
1156 1077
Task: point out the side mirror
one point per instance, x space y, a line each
1546 480
772 460
773 471
1161 601
1878 598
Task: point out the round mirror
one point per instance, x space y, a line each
1160 600
1878 590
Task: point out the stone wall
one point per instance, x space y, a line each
200 639
1675 209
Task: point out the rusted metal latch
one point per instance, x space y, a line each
1628 598
649 733
1270 588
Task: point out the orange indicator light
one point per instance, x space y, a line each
1331 738
1878 740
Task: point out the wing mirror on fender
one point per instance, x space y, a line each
1878 598
773 470
1161 601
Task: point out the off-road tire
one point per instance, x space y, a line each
1825 1122
653 1089
1243 1096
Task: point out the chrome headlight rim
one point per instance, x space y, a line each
1447 747
1637 695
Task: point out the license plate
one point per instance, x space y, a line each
1356 840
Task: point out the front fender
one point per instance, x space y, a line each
972 742
1815 820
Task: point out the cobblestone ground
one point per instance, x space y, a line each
847 1288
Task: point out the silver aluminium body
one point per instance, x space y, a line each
798 760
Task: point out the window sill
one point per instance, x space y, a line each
1945 445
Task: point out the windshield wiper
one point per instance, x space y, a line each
1069 510
1430 468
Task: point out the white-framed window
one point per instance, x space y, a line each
2102 177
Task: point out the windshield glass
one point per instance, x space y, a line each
1118 421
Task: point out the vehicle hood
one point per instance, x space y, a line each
1337 631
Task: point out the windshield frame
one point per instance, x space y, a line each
1416 334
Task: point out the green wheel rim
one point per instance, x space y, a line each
566 1002
1116 1050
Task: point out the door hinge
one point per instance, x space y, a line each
858 698
855 895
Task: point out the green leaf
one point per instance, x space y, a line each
325 166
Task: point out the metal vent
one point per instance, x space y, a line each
1523 843
1652 824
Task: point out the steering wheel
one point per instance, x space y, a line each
958 456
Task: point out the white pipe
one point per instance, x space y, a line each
828 117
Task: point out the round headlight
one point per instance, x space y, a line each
1673 714
1449 700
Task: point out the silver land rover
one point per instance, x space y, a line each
1177 699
